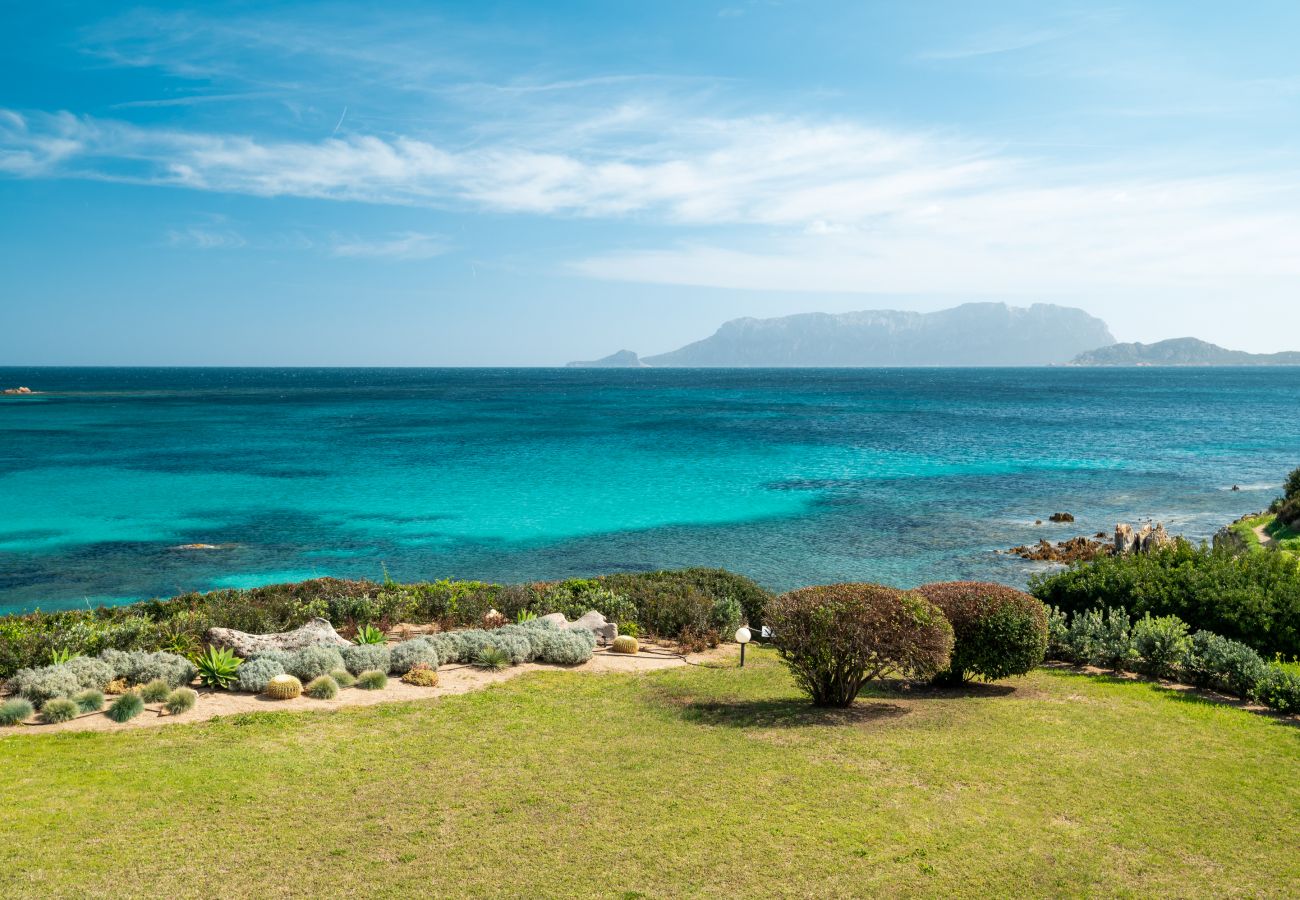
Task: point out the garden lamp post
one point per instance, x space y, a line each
742 638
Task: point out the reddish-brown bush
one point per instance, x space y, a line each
999 630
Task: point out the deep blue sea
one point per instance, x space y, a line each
791 476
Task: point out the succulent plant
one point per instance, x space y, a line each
283 687
343 678
409 654
322 687
369 634
254 674
372 680
126 707
310 663
60 709
624 644
421 675
89 700
218 667
155 691
15 712
180 700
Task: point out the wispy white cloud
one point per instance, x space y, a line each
202 237
408 245
994 41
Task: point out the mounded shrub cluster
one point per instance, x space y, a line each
998 631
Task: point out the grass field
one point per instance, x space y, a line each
688 782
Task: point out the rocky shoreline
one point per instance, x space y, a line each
1085 549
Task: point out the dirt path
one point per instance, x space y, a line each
1264 537
454 679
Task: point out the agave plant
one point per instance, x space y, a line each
218 667
492 658
525 615
369 634
59 657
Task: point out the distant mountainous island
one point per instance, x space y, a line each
1185 351
973 334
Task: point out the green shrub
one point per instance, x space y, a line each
408 654
181 700
677 611
369 634
256 672
126 707
1291 487
647 587
15 711
1217 662
1288 513
492 658
372 680
836 637
1253 598
1102 638
91 674
364 657
89 700
1280 687
343 678
630 629
60 709
726 616
155 691
1162 643
44 684
578 596
322 687
310 663
1058 634
283 687
524 615
998 631
218 667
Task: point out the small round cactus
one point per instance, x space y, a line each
283 687
372 680
624 643
322 688
421 676
60 709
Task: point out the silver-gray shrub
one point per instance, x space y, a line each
536 637
408 654
367 657
91 673
1162 643
46 683
1217 662
253 674
518 648
120 661
177 671
1102 639
448 646
310 663
280 656
566 648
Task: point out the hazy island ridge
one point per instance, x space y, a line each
969 335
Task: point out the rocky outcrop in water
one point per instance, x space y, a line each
1084 549
1145 540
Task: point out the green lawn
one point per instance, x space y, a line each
1284 538
688 782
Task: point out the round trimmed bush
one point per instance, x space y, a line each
836 637
15 711
60 709
367 657
89 700
283 687
126 707
409 654
255 673
180 701
998 631
343 678
322 687
310 663
155 691
372 680
624 644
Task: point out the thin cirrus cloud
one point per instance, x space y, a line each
770 202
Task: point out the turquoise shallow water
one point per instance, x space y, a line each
793 477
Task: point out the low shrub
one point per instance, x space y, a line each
218 667
567 647
578 596
517 648
1280 687
449 647
629 628
420 675
372 680
60 709
409 654
322 687
181 700
155 691
44 684
726 616
1162 643
998 631
89 700
836 637
343 678
310 663
624 644
91 673
364 657
1288 513
283 687
1102 638
15 711
176 671
126 707
491 658
643 587
1217 662
1058 634
255 673
678 611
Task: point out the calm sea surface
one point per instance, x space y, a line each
792 477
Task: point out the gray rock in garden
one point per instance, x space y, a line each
317 631
592 621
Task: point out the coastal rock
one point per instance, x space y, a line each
1144 540
1060 517
197 547
591 621
1078 549
19 390
317 631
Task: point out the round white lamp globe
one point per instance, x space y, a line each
742 635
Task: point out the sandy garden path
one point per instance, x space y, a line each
452 679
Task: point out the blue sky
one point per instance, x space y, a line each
528 183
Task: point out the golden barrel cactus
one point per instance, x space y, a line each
624 643
283 687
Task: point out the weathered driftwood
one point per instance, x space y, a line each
317 631
592 621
